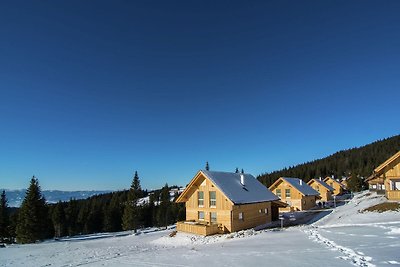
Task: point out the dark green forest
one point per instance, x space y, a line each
360 161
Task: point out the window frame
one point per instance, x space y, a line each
213 201
211 217
287 193
198 215
278 194
241 216
200 199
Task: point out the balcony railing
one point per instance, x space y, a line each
198 228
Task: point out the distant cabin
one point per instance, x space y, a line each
222 202
387 177
338 188
325 191
295 192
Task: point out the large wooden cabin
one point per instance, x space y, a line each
325 191
387 177
295 192
221 202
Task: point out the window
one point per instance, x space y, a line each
241 216
201 215
287 193
331 184
213 217
213 199
278 193
200 196
317 188
266 211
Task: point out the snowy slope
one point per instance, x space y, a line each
343 238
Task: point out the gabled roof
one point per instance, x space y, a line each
378 170
229 184
330 178
322 183
387 162
300 185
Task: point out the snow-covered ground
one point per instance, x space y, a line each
345 237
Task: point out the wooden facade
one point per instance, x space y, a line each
338 187
324 192
295 199
387 177
210 211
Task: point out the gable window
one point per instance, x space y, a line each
213 217
241 217
200 197
201 215
278 193
213 199
287 193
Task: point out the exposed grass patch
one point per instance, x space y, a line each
387 206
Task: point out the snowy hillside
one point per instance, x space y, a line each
345 237
15 197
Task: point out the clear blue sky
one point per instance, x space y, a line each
91 91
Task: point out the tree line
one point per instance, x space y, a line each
355 162
36 220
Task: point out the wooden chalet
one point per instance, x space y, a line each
387 177
338 188
221 202
296 193
325 191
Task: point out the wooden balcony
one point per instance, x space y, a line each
393 194
197 228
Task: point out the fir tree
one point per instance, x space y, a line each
4 218
59 219
112 215
164 209
33 215
131 216
237 170
242 171
207 166
355 183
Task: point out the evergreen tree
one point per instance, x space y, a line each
33 215
242 171
59 219
237 170
131 217
4 218
355 183
207 166
112 215
71 214
164 210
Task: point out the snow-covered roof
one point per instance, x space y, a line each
300 185
323 184
229 183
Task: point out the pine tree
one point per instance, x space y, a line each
112 215
207 166
237 170
4 218
242 171
355 183
164 209
33 215
59 219
132 212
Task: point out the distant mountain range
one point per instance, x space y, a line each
15 197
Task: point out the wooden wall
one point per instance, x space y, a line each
338 190
251 215
324 193
296 198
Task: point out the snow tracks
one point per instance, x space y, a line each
348 254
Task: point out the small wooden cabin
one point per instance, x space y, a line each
325 191
296 193
221 202
338 188
387 177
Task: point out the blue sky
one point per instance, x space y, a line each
92 91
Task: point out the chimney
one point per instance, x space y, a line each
320 178
242 179
301 182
